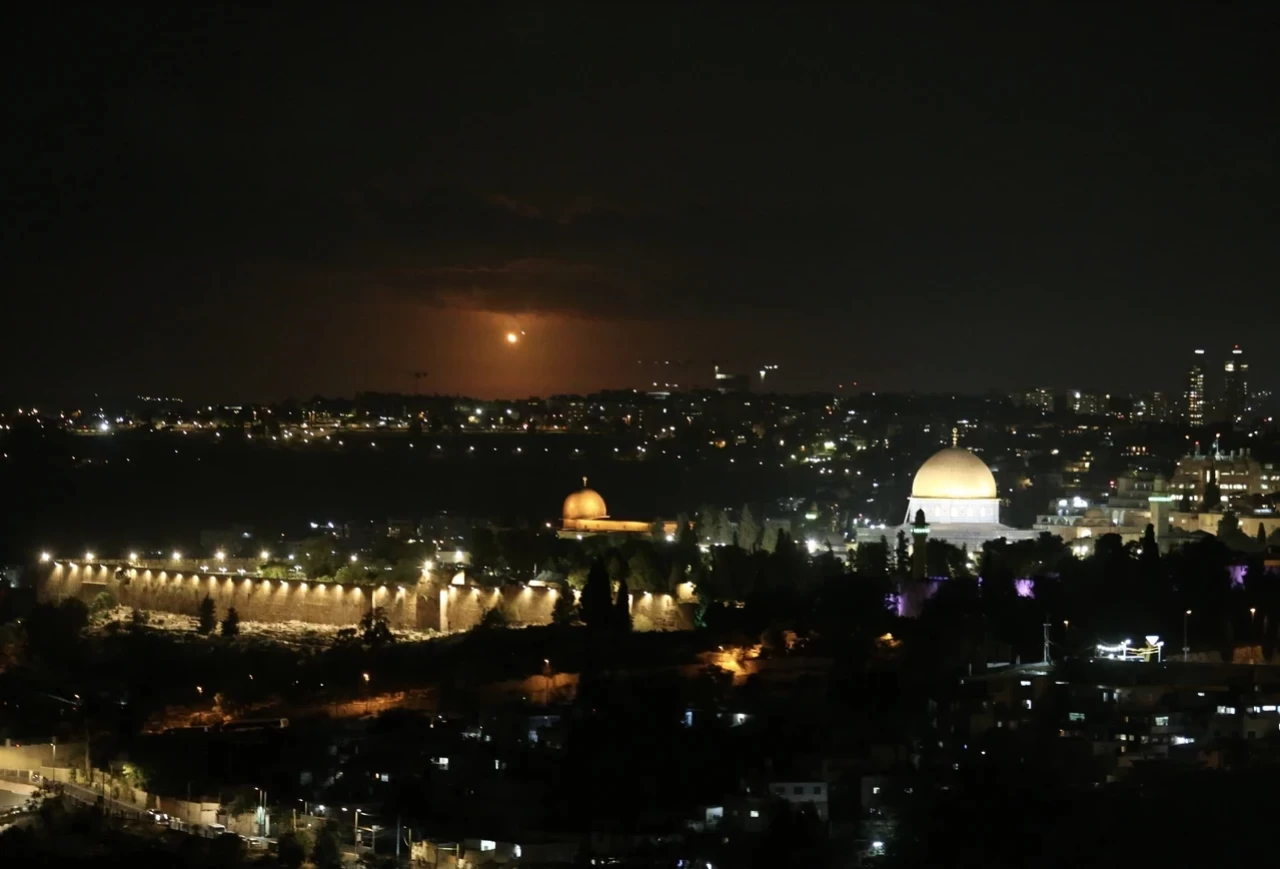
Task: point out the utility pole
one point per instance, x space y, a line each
1046 642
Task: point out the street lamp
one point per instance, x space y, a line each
1186 649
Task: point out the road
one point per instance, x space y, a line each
9 799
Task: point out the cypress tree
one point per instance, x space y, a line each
231 624
208 616
595 604
622 607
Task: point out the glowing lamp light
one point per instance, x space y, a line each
354 558
512 337
88 556
44 557
133 556
264 555
220 555
176 555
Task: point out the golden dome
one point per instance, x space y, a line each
585 504
954 473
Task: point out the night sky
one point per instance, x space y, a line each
249 205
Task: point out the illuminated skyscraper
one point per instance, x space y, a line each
1195 391
1235 385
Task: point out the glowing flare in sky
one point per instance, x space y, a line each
512 337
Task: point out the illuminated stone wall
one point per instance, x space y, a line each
265 600
464 606
427 606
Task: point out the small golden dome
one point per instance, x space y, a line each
585 504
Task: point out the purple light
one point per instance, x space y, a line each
897 603
1237 572
1025 587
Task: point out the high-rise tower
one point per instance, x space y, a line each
1235 385
1195 391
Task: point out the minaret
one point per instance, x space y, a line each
919 539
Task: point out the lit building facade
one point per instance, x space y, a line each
1194 396
1235 386
1238 475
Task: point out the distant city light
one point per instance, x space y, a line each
88 556
133 556
44 556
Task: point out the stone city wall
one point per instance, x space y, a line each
460 607
254 599
429 605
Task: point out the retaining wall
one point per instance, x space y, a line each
430 604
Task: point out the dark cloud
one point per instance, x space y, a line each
905 176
